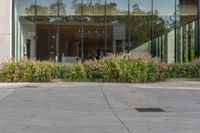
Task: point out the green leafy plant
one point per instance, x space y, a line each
115 68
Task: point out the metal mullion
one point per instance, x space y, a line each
57 31
35 25
105 27
189 42
157 45
129 27
152 24
183 42
13 29
186 42
196 39
82 55
198 27
177 45
162 48
175 32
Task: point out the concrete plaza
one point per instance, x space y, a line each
100 107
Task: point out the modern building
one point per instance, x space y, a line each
68 29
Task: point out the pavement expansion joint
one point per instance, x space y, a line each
112 110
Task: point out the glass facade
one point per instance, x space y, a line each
141 25
66 30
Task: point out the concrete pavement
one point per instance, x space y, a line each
100 107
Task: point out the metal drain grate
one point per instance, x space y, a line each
29 86
149 110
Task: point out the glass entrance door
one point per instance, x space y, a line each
59 42
47 42
70 42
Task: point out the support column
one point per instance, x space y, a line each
5 30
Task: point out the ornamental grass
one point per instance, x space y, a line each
127 68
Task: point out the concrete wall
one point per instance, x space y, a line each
143 49
5 30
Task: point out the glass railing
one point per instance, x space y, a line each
178 45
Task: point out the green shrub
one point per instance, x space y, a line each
28 71
75 72
115 68
153 73
94 69
57 69
111 72
42 73
137 71
105 70
195 69
187 70
7 73
164 72
125 70
17 72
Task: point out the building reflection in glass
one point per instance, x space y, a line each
87 29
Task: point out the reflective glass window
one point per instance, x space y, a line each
70 22
93 28
25 9
186 35
163 21
47 10
163 17
24 28
69 10
117 25
140 11
186 11
50 29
